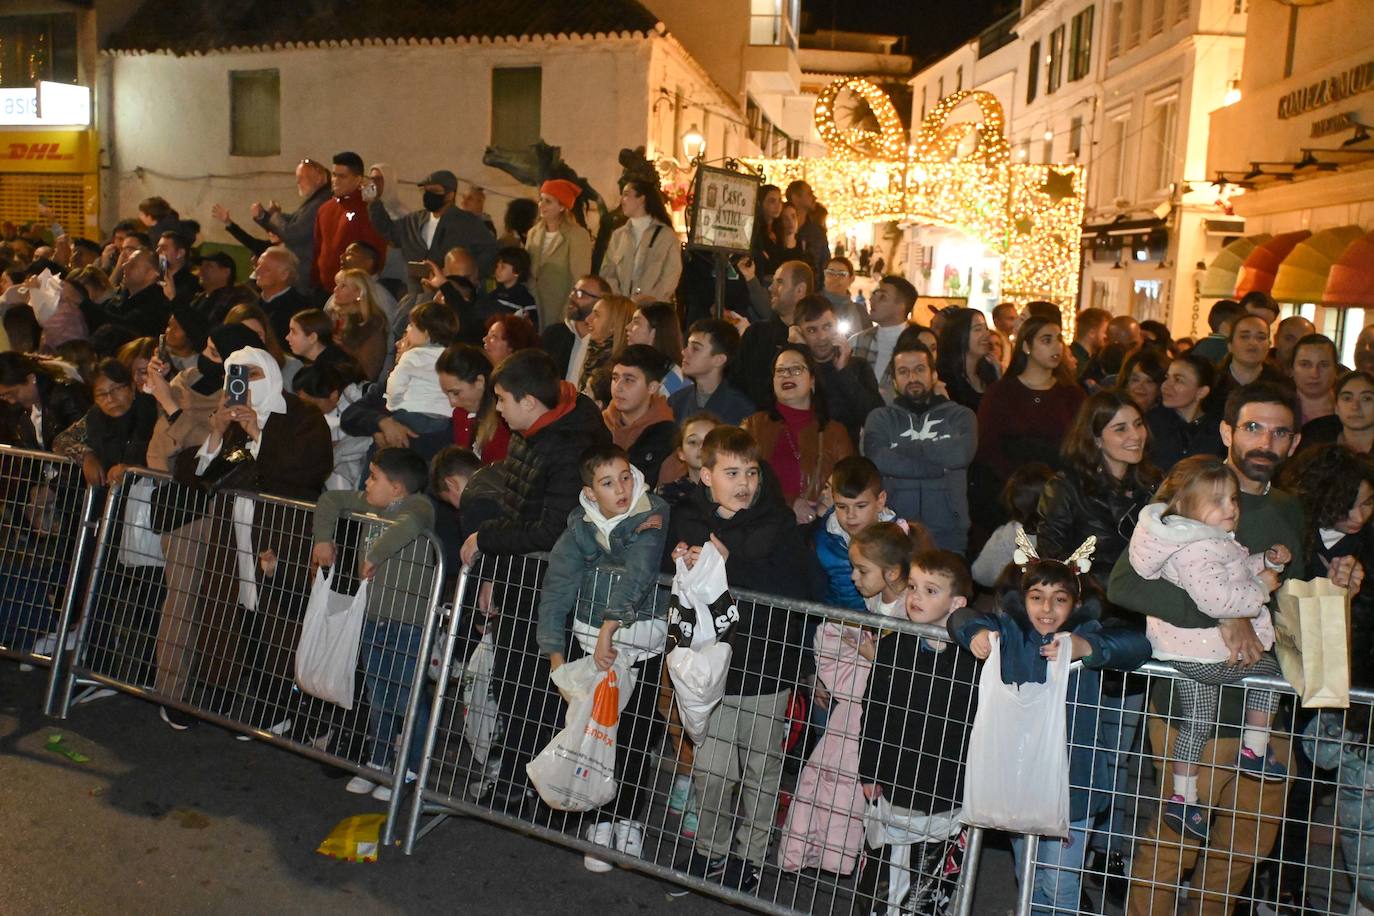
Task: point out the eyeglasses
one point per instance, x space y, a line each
1280 433
836 273
106 393
789 371
584 294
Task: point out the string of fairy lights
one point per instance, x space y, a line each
952 173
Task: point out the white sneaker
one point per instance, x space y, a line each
383 791
480 788
602 835
629 838
360 785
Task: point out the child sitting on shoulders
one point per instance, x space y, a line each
824 826
1187 537
413 393
1039 602
1021 500
918 711
391 644
619 521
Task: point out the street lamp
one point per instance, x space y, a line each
693 143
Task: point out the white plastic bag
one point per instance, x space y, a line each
327 654
139 545
480 715
698 677
1018 754
45 291
576 770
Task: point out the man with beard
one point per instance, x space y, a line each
427 233
566 342
923 444
1259 431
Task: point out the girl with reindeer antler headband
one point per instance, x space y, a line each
1040 600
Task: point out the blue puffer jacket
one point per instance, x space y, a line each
832 549
1113 646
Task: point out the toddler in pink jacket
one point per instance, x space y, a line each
1187 537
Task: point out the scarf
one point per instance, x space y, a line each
639 502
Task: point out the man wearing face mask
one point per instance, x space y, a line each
426 234
297 230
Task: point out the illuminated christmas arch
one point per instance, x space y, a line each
957 174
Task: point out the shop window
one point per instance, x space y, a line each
254 112
515 106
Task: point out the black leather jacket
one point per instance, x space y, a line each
1075 506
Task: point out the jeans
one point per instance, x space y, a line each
1059 869
392 651
1118 725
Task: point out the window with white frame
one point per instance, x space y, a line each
1081 45
1113 156
1054 64
1076 137
1130 30
1162 119
1115 11
1157 16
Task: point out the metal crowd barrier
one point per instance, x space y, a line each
801 834
45 512
1284 847
204 618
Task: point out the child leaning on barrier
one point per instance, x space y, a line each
918 711
1187 537
860 501
619 521
739 762
824 825
1038 601
390 647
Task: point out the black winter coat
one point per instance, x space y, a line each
651 448
62 403
918 712
1075 505
542 478
767 554
1173 438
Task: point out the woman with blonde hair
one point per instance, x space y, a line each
359 322
606 330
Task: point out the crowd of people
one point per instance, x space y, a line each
505 393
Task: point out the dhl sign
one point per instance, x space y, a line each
48 151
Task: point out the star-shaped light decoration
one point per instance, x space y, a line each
1058 185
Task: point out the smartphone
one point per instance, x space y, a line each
162 263
417 269
163 353
236 386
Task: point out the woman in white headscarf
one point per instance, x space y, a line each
293 457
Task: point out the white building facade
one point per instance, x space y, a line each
1121 88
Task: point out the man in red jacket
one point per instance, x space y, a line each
342 220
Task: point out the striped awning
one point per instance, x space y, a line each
1219 282
1302 275
1351 279
1262 266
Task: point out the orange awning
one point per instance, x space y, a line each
1302 275
1351 280
1219 282
1260 268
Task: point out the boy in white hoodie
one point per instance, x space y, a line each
621 522
1187 537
